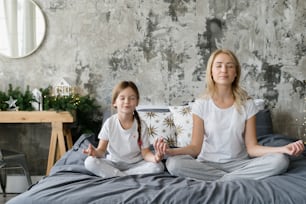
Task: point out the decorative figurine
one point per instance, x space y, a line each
12 104
37 96
63 87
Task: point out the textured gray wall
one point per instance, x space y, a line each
163 46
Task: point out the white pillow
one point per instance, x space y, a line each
183 123
160 124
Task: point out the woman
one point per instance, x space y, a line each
224 144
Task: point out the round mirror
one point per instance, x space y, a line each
22 28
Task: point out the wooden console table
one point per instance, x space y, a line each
60 135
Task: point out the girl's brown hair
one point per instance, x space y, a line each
116 91
240 95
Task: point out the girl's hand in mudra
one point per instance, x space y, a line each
160 146
90 151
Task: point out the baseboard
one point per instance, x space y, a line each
18 183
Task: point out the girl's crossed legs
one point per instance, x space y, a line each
105 168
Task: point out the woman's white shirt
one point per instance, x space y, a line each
224 130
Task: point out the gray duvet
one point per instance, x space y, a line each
70 182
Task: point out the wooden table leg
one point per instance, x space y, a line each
68 137
57 145
52 149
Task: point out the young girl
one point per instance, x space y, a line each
124 135
224 139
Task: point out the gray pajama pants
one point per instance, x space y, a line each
255 168
105 168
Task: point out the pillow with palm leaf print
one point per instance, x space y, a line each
182 117
160 124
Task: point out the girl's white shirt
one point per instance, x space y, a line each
224 130
123 143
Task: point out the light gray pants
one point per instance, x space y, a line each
255 168
105 168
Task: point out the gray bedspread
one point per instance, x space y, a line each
70 182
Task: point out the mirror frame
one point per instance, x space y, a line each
41 41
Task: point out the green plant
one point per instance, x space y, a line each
3 98
87 113
85 108
24 100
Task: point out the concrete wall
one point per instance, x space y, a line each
163 46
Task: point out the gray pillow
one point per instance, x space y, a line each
264 123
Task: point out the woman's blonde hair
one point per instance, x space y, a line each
240 95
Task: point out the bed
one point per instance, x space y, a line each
70 182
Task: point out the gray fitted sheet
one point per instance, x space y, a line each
70 182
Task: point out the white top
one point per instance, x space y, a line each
224 130
123 144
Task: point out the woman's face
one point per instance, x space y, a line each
126 101
223 69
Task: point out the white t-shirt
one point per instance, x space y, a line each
123 144
224 130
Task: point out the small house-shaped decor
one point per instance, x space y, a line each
63 87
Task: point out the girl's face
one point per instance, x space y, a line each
223 69
126 101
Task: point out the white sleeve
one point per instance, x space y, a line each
198 108
251 108
104 132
